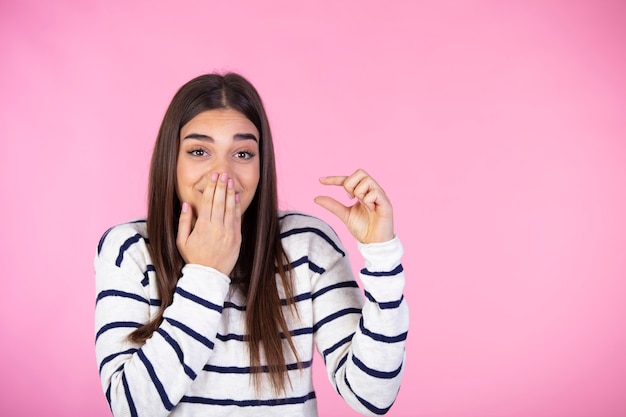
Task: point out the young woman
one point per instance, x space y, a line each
213 304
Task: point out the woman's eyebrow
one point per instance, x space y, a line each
238 136
245 136
199 136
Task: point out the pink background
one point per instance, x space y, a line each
497 128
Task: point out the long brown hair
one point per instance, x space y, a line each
261 255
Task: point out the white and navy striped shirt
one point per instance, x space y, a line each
197 362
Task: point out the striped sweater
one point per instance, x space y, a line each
197 362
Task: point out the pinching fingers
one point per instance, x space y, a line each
335 207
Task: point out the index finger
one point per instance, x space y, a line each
334 180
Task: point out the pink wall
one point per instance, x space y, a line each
498 129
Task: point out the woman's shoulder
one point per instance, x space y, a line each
122 237
309 228
292 219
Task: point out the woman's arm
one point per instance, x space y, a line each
363 341
151 378
364 350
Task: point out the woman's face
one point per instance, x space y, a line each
216 142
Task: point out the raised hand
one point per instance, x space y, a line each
215 238
370 218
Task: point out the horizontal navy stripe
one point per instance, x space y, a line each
108 393
108 396
249 403
190 332
155 380
299 262
215 307
386 305
305 215
371 407
228 304
230 336
305 260
115 325
344 284
127 244
198 300
317 232
179 352
129 398
146 278
296 214
341 362
381 337
117 293
101 242
115 355
299 332
337 346
391 273
334 316
374 372
248 369
243 338
300 297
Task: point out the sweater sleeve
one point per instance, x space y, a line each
363 340
149 379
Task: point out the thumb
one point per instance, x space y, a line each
334 207
184 226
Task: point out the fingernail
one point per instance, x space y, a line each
224 176
214 177
237 198
230 183
185 207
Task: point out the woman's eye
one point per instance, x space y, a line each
244 155
197 152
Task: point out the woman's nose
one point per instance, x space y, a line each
221 166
